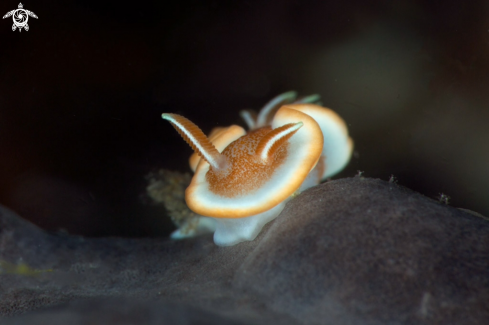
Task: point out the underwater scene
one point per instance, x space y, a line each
244 162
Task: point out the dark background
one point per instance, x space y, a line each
81 94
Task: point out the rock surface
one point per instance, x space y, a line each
350 251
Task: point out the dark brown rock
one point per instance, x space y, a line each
372 250
103 311
350 251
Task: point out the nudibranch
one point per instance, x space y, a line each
243 179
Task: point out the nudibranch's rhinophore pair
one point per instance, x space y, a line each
243 179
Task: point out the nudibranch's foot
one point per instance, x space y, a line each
314 176
195 227
232 231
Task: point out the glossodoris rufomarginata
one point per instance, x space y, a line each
243 179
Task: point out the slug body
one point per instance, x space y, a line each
243 179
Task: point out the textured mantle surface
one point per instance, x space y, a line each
350 251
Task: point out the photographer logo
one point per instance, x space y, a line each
20 17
